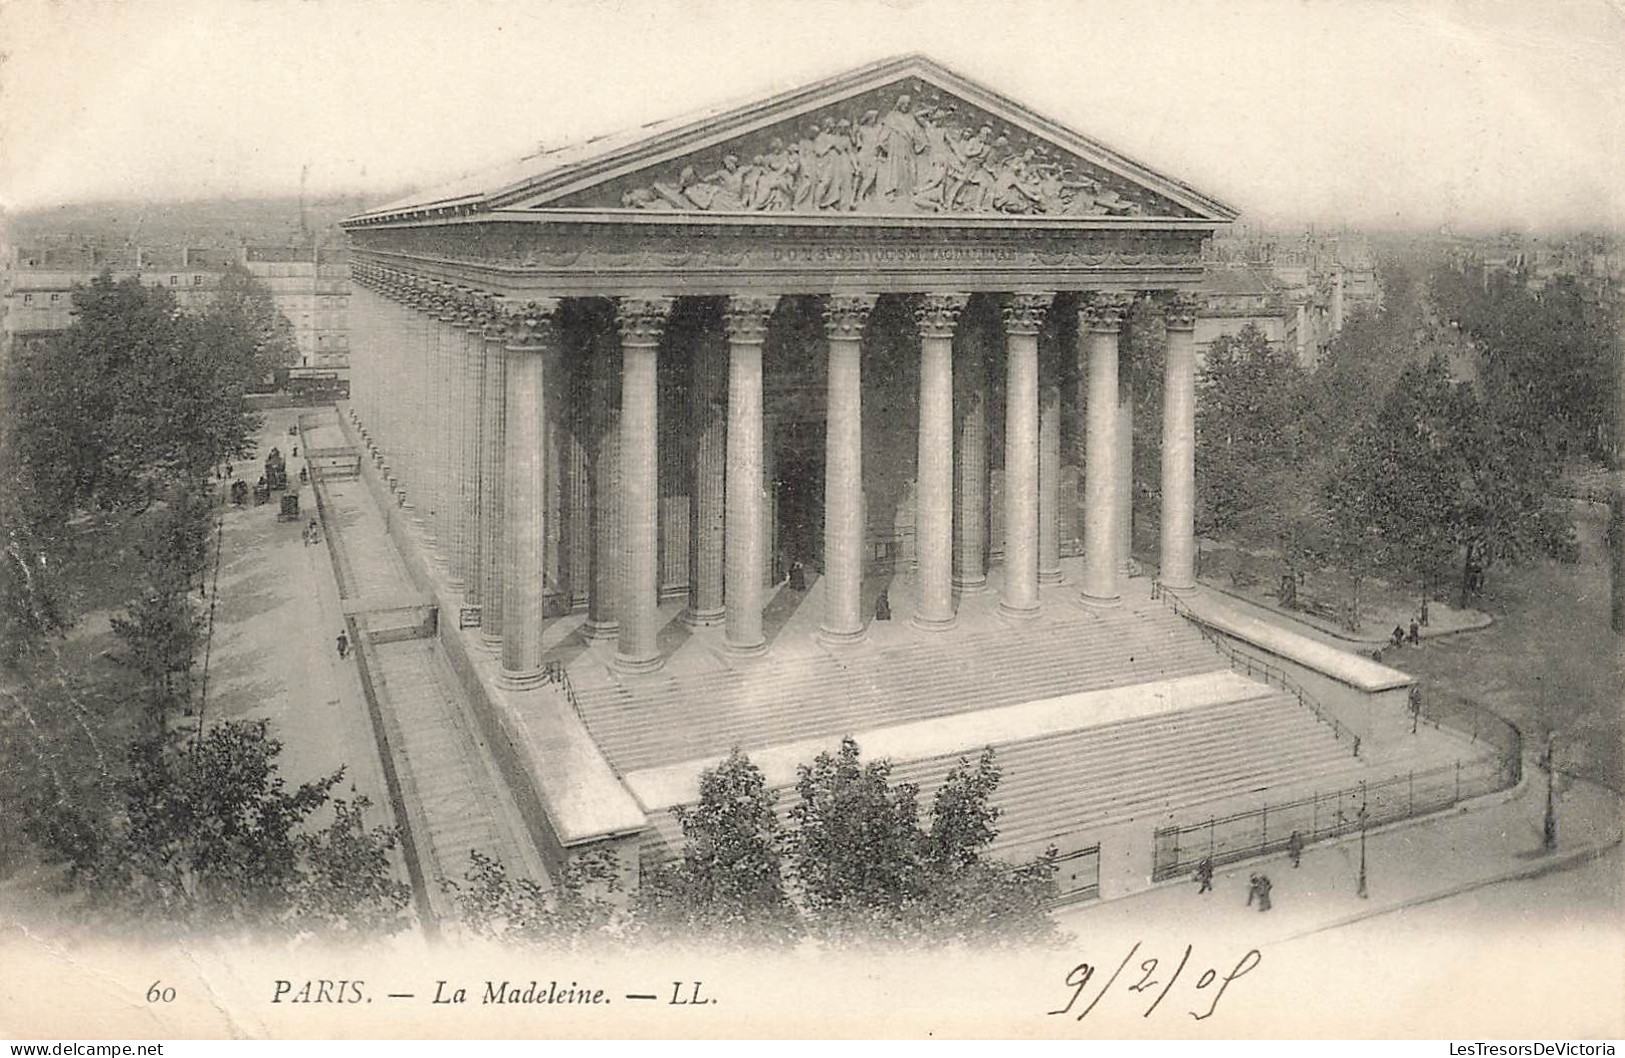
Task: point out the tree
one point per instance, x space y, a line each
207 838
728 883
247 317
867 871
492 904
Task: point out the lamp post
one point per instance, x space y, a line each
1361 891
1549 830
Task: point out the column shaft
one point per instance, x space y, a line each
746 320
532 340
844 319
1179 448
1100 320
604 562
1023 317
934 484
642 320
493 454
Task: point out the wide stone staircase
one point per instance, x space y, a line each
1056 789
688 715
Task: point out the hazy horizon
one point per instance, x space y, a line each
1382 116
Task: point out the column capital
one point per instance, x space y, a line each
1180 308
642 320
745 317
938 314
846 314
529 324
490 317
1104 310
1024 312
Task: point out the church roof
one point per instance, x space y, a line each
973 151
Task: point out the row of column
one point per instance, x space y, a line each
465 440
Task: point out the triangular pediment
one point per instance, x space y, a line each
903 137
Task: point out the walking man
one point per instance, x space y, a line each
344 646
1264 885
1252 890
1294 847
1204 874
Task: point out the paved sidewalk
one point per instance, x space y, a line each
1494 840
274 654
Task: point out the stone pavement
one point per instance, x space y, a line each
1493 840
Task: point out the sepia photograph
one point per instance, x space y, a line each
1063 519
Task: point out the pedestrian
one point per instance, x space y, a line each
883 607
798 576
1204 874
1398 636
344 646
1252 889
1424 615
1416 633
1264 886
1294 847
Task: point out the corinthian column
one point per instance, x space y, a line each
936 317
1101 321
746 320
1179 446
844 319
493 457
604 427
642 321
532 336
1023 318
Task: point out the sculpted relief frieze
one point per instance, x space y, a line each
905 150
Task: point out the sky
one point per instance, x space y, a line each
1380 114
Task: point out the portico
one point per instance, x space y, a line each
610 381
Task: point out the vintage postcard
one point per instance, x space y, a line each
1059 519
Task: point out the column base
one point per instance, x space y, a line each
1051 576
830 637
1177 589
520 681
1017 613
745 650
934 624
638 666
1102 602
971 587
491 641
703 618
596 630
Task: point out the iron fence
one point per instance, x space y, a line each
1324 816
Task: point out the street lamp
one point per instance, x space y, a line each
1361 891
1549 830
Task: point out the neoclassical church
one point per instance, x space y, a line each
813 417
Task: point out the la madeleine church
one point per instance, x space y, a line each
807 418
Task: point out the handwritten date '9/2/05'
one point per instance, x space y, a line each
1150 978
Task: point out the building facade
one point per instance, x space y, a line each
309 284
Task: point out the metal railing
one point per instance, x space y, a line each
1255 668
555 673
1473 722
1324 816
